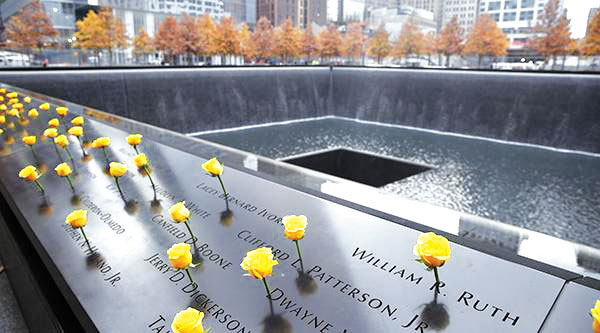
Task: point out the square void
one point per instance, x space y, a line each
360 167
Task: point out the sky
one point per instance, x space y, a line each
577 12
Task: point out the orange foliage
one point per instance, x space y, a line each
206 36
30 28
450 40
553 31
227 40
379 45
308 45
91 33
142 43
486 39
263 36
287 40
330 42
247 44
591 43
410 40
353 43
166 37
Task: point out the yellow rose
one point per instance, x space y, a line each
77 219
101 142
596 315
62 110
117 169
10 125
213 167
2 119
180 255
77 121
12 94
2 91
13 101
45 106
27 99
140 160
51 132
29 173
3 107
294 226
259 263
61 141
18 106
63 169
432 249
53 123
23 121
1 131
9 140
188 321
134 139
29 140
33 113
178 212
75 131
13 112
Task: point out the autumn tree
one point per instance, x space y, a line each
142 43
308 45
247 44
429 45
591 43
450 40
287 41
486 39
206 36
166 38
379 44
227 40
91 34
188 37
410 41
552 32
30 28
330 42
115 31
263 36
353 42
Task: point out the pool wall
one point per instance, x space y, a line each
557 110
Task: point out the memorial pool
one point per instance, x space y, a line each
537 188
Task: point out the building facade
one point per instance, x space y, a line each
434 6
466 11
591 15
242 11
344 11
516 18
394 18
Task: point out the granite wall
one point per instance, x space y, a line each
558 110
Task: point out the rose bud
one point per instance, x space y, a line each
117 169
45 106
51 132
259 263
134 139
294 226
179 212
29 140
180 256
140 160
63 169
62 110
75 131
53 123
77 121
213 167
61 141
33 113
29 173
101 142
188 321
77 219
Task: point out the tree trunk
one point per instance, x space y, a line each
479 60
563 62
553 61
448 60
578 60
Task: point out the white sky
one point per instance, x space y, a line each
577 12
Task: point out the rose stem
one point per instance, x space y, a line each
150 177
70 183
267 287
57 152
437 279
299 255
84 236
81 145
119 187
223 186
194 239
189 275
39 186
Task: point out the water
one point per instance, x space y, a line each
544 190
